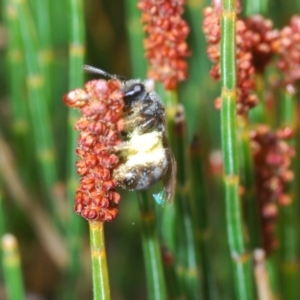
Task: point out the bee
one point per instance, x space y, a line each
145 154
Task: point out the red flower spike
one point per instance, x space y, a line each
91 161
82 124
110 214
254 39
101 106
165 45
272 159
115 197
78 207
76 98
263 36
287 46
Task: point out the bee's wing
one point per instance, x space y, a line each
169 180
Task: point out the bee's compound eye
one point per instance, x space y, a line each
135 90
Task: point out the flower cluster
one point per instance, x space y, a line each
288 48
253 51
165 45
212 30
101 106
260 38
272 160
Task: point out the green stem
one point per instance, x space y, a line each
76 79
241 260
99 263
39 113
16 65
256 7
198 67
174 288
12 268
76 43
41 11
151 247
186 251
135 35
248 183
258 113
2 215
200 209
18 99
289 232
272 269
288 111
60 10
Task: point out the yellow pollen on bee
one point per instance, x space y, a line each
143 149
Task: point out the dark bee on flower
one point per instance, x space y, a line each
145 155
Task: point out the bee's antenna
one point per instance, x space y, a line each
99 71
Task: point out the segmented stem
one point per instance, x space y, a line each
99 264
256 7
200 211
289 233
186 251
76 79
240 258
135 35
38 109
248 182
12 268
41 12
151 247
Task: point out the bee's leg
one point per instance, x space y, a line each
138 107
144 123
150 122
146 104
132 122
169 179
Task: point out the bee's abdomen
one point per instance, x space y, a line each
139 177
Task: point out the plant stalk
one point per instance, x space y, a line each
12 268
99 263
151 247
288 228
186 248
248 183
39 112
243 278
76 79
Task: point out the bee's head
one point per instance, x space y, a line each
134 90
